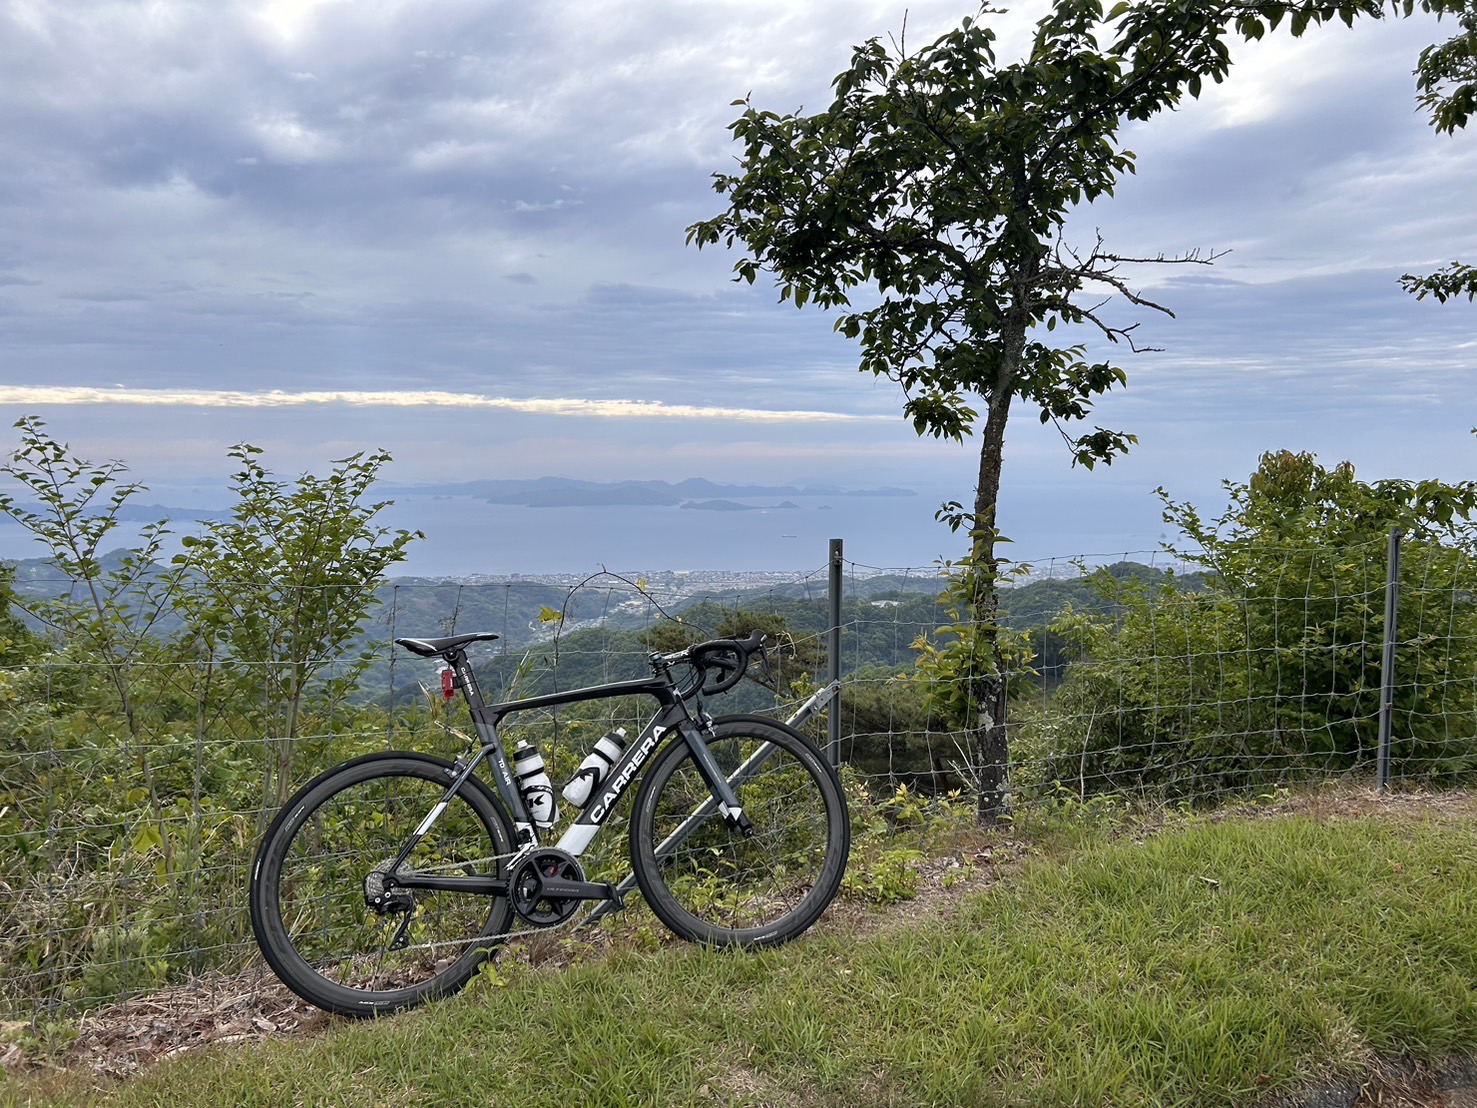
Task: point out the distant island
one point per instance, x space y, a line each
566 492
735 506
695 492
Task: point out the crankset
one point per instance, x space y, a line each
546 887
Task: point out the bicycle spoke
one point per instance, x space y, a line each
711 883
346 935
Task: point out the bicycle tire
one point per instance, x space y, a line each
309 911
718 887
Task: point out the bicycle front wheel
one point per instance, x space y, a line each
711 884
324 860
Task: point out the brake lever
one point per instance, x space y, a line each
763 652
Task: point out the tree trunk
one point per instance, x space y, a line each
990 738
288 741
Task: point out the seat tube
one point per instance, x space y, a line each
486 724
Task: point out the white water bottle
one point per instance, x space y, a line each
593 769
534 784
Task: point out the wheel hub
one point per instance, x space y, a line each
381 895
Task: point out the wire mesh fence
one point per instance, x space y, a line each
133 789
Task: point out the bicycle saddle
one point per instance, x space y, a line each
429 648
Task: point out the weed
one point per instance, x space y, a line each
884 877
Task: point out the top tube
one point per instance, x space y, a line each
659 687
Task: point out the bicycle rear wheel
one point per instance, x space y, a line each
326 854
711 884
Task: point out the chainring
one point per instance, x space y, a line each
525 887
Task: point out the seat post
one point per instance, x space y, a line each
456 658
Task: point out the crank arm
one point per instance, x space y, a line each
557 889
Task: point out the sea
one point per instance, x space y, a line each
466 536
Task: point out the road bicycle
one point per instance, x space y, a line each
386 881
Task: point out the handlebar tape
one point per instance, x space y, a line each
729 646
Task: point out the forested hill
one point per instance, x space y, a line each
597 634
601 634
876 610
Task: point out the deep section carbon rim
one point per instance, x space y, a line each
324 860
711 884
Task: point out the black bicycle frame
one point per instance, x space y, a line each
672 715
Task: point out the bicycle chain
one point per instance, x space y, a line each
575 919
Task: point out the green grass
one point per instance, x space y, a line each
1210 964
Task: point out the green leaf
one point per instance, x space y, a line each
146 839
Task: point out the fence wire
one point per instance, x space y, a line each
126 835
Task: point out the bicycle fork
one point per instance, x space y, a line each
813 706
723 795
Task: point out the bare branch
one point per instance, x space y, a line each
1071 271
1120 334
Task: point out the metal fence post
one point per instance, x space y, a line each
1387 667
833 654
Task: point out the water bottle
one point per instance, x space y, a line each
534 784
594 768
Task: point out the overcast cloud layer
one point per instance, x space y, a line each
322 225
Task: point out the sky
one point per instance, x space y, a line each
454 229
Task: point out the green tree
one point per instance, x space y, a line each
124 771
1276 669
18 643
1446 86
938 183
285 584
1451 282
109 609
105 622
1446 74
1303 549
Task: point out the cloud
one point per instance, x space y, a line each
354 203
23 396
1310 159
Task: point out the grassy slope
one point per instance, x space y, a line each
1212 963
